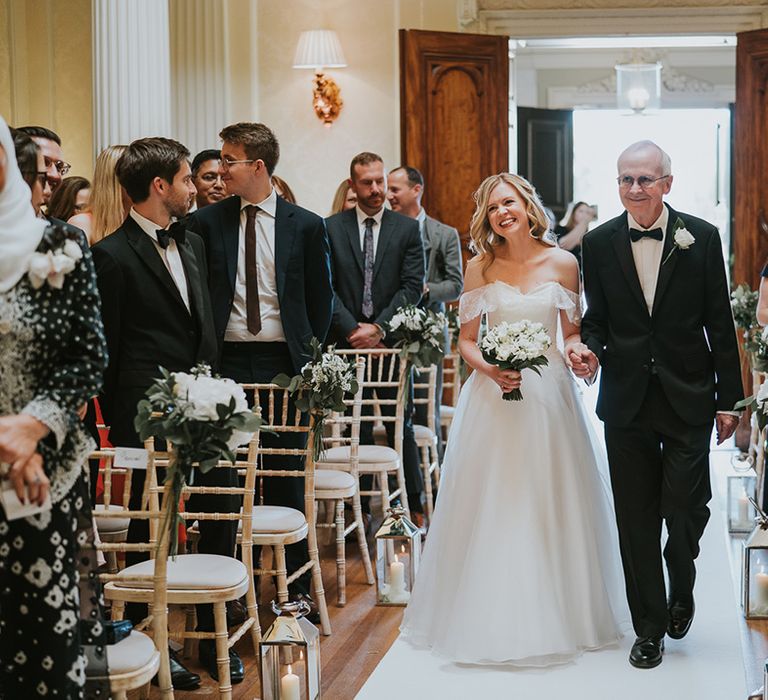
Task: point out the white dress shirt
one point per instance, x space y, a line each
170 255
647 253
269 306
361 217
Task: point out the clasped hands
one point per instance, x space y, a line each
19 436
582 361
366 335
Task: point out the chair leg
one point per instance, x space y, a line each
341 560
190 622
383 478
281 572
120 695
425 465
317 579
361 541
403 491
253 607
329 517
222 650
118 609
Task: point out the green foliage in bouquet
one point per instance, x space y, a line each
204 419
420 335
744 306
320 388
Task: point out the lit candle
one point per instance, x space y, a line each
289 686
744 508
397 577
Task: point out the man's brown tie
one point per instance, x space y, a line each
251 272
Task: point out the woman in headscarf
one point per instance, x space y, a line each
53 357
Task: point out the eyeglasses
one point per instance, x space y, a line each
60 165
626 182
226 163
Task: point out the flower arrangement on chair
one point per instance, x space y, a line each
320 389
203 417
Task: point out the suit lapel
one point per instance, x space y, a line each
666 268
353 234
385 236
430 244
623 248
147 253
194 281
285 228
230 235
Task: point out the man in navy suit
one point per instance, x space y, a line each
269 276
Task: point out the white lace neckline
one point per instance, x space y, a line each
532 290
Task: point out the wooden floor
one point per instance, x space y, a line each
363 633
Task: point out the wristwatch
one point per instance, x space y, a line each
381 330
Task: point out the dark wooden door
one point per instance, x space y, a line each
454 116
545 154
750 174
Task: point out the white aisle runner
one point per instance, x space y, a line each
706 665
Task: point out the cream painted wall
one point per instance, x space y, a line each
314 159
46 45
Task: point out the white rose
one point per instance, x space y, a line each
238 438
73 250
684 239
40 264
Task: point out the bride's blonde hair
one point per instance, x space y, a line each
483 240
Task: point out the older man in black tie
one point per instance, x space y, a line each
659 324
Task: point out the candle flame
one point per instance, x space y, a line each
301 655
402 548
396 559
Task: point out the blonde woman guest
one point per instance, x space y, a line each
109 205
501 480
345 198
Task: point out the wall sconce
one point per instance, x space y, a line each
318 49
638 86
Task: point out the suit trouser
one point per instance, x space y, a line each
659 473
414 482
260 363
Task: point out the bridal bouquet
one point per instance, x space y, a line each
320 389
520 345
203 417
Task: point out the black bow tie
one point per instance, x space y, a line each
637 234
177 230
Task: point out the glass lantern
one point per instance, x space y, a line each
755 581
289 655
741 512
398 553
638 86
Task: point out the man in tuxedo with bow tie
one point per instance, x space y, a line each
659 323
270 282
157 312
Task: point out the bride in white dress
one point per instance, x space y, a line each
521 564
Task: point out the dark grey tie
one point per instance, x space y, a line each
368 269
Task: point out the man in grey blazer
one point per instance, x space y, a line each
378 266
442 248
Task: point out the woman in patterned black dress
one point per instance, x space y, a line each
52 356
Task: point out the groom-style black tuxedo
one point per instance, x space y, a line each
664 375
148 325
398 279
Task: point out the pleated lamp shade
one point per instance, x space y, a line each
319 48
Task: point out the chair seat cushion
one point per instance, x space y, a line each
368 454
191 572
333 480
130 654
277 519
422 432
109 525
447 411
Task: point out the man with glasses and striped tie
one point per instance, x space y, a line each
659 324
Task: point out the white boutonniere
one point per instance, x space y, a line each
58 254
683 239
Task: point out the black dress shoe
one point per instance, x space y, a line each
181 677
647 652
237 613
680 619
313 615
207 655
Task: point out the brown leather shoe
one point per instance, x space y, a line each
237 613
418 519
